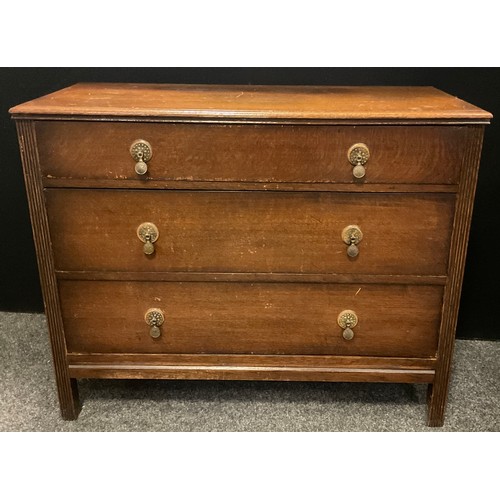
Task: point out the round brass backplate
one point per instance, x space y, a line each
147 229
154 317
358 154
352 234
141 150
347 319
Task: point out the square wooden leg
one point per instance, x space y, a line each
436 404
69 401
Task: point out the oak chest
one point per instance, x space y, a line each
272 233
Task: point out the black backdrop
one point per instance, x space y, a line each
19 285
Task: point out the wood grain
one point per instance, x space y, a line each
458 252
250 318
249 153
218 372
362 362
253 367
361 187
387 279
251 102
95 230
66 385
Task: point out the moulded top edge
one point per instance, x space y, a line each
230 102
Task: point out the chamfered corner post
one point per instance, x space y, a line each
66 387
438 390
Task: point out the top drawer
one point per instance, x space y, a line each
250 153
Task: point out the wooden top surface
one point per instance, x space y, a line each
252 102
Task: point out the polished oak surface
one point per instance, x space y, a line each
251 232
250 153
245 101
251 318
253 367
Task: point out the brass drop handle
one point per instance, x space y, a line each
141 151
352 236
358 155
154 318
148 233
347 320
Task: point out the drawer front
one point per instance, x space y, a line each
96 230
244 318
250 153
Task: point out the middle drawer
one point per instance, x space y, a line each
96 230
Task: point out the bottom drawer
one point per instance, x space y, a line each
250 318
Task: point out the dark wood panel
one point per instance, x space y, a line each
250 153
250 318
250 232
244 367
243 360
283 374
252 101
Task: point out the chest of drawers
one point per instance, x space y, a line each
267 233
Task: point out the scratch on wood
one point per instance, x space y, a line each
359 290
317 220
